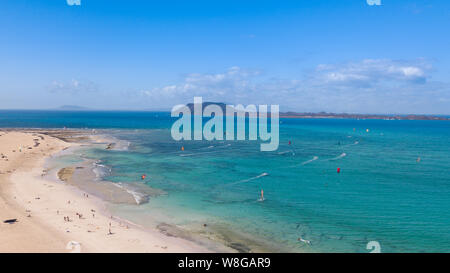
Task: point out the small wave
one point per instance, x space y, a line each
206 148
284 152
121 145
311 160
222 146
199 153
354 143
217 147
249 179
116 144
139 197
100 170
338 157
216 150
113 143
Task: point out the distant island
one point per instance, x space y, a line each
305 115
72 108
222 105
361 116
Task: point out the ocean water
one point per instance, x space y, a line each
382 193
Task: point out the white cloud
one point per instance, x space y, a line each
73 86
369 72
214 87
74 2
368 86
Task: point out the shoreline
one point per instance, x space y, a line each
40 206
117 195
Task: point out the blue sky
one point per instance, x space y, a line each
337 56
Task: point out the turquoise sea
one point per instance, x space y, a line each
383 192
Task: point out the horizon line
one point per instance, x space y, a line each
86 109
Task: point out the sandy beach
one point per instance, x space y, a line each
52 216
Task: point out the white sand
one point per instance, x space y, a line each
40 206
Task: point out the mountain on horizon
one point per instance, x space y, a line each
72 108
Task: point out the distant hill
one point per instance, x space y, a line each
222 105
72 108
